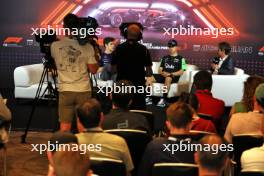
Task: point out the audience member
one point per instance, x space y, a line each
250 122
131 61
246 104
106 59
179 117
224 64
207 103
59 138
198 124
171 68
5 114
107 145
120 117
73 62
211 163
71 163
253 160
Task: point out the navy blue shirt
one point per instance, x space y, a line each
105 59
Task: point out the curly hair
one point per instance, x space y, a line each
249 90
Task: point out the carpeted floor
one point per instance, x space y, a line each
21 161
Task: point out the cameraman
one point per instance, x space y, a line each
131 61
73 62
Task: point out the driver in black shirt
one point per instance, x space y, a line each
171 68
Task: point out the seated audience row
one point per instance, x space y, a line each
179 118
120 117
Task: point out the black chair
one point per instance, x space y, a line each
197 135
251 174
137 142
107 167
242 143
205 116
149 116
175 169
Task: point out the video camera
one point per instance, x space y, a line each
45 42
216 60
89 24
124 27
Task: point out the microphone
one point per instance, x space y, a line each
216 60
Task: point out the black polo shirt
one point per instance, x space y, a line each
123 119
155 153
171 64
131 58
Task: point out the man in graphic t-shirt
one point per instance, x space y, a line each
171 68
73 62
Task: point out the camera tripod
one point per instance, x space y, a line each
49 93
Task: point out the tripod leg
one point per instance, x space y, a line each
54 89
54 74
23 137
47 88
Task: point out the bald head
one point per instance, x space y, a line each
212 139
133 32
215 158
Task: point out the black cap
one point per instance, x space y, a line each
172 43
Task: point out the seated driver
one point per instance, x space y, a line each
171 68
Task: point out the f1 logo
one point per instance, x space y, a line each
261 51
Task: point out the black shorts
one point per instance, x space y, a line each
161 79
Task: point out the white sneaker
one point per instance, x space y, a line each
162 103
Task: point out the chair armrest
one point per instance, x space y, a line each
186 77
25 76
229 88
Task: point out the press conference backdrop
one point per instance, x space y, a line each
197 25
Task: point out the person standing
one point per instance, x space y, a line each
131 61
74 62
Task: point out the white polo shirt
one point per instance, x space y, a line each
253 159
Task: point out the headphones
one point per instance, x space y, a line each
124 29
